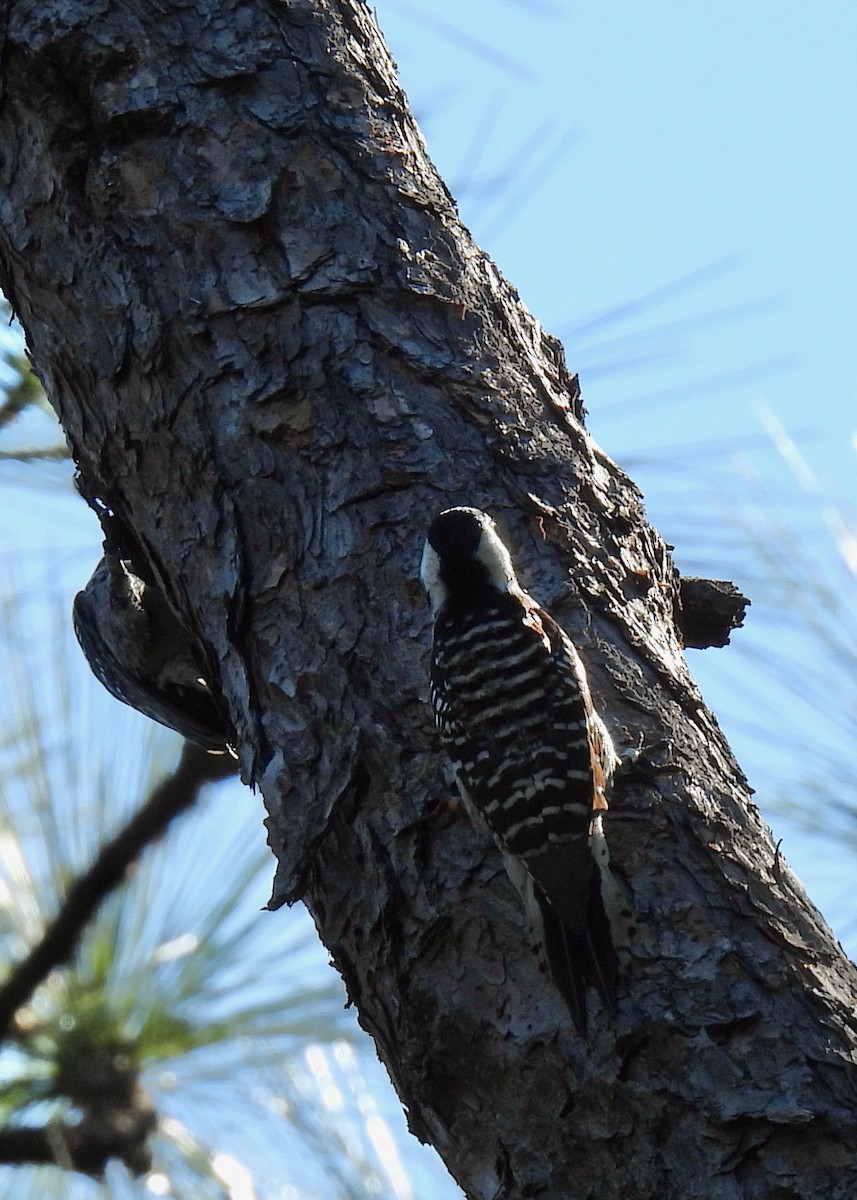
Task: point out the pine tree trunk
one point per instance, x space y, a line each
276 352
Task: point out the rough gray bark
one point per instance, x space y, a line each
276 352
709 611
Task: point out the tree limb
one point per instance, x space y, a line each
86 1147
709 610
275 347
174 795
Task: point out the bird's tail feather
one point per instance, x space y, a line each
577 960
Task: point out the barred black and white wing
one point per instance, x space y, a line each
532 759
514 712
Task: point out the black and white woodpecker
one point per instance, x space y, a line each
532 758
140 652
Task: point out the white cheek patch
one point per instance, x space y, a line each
496 560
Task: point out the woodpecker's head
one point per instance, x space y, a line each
464 560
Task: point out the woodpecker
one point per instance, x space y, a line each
140 652
531 757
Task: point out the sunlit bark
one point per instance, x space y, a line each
276 352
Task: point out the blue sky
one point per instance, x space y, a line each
603 153
683 135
